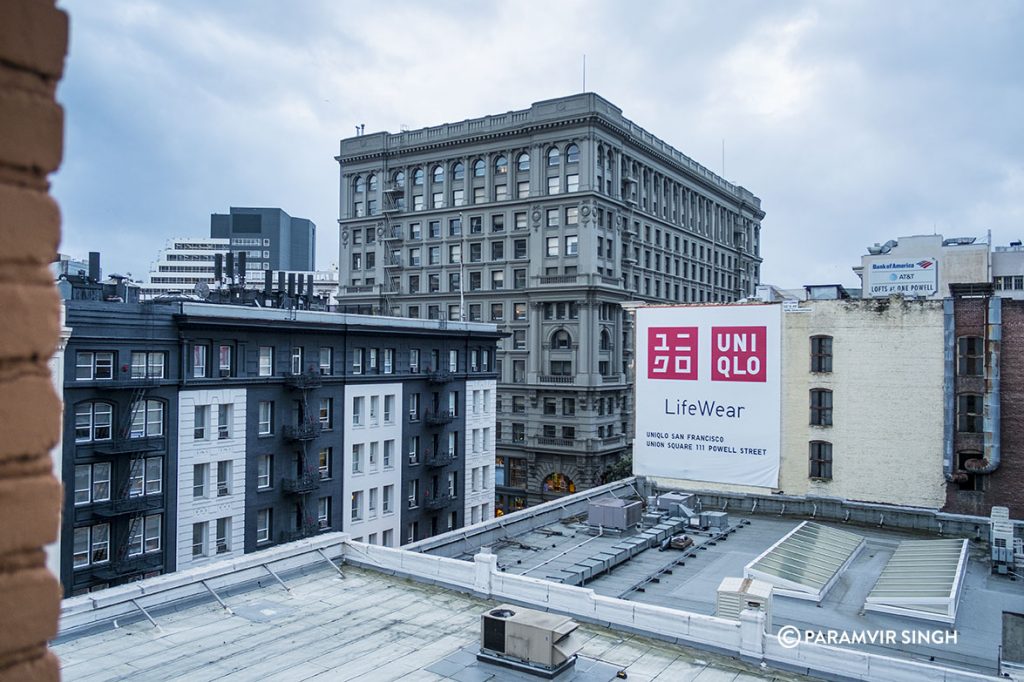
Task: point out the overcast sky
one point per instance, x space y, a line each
854 122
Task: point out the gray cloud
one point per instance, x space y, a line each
854 122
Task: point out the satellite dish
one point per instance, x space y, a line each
202 289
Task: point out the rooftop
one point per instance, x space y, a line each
365 626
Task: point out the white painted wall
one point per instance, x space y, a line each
373 477
886 378
478 447
210 451
965 263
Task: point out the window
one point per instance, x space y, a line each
417 176
145 476
357 457
224 359
92 483
389 454
414 407
523 162
554 185
498 279
553 157
434 256
266 361
389 360
458 171
199 361
147 419
326 361
561 340
497 312
266 418
572 245
324 463
552 246
500 166
572 183
296 367
91 545
147 366
414 361
223 539
199 539
94 366
519 278
224 478
821 407
519 339
357 361
371 505
479 168
223 422
414 493
264 471
414 256
374 410
438 174
497 223
552 217
572 154
263 525
414 449
326 413
387 499
200 474
357 410
970 413
970 356
820 459
497 251
144 536
389 409
821 353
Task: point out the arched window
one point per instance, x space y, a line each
523 162
821 353
438 174
611 159
606 340
821 407
371 183
500 165
479 168
417 176
561 340
147 419
399 178
458 171
558 483
92 421
359 185
572 154
820 459
553 158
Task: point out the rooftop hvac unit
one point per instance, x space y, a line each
534 642
715 520
1001 540
737 594
668 501
612 512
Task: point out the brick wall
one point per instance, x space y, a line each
33 43
1005 486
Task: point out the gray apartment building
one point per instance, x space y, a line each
272 239
543 221
198 431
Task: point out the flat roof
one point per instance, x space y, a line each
366 626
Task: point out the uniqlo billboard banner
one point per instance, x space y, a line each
708 393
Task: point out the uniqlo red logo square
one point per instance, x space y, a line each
672 353
738 353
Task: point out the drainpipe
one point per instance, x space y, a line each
948 379
992 422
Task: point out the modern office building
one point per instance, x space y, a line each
272 239
543 221
182 264
197 430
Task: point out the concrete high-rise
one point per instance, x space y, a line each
543 221
272 239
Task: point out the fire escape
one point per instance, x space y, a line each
128 507
307 477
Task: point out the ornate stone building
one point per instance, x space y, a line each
543 221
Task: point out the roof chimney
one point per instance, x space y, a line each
94 266
241 268
230 267
218 267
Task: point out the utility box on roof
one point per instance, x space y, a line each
532 641
736 594
611 512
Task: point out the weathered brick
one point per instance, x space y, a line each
30 509
30 403
30 604
34 35
42 668
31 320
29 225
33 128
